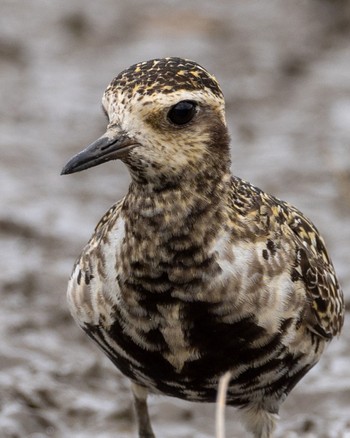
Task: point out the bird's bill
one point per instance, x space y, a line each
110 146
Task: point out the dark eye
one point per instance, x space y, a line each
182 113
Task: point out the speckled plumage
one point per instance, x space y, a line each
196 272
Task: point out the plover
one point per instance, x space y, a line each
196 272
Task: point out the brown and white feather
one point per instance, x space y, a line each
195 272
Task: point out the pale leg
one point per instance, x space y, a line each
221 404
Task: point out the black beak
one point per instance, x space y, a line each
110 146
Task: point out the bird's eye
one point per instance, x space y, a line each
182 113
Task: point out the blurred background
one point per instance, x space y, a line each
285 71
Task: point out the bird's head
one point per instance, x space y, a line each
166 120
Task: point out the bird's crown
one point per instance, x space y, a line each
166 75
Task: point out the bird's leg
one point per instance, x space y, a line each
221 404
260 422
141 408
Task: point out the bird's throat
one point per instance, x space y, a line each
186 208
168 234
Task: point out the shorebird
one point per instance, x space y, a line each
196 273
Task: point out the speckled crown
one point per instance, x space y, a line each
166 75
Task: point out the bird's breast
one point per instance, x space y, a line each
172 313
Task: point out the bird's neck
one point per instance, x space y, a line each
169 235
188 207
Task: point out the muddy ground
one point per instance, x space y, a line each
285 70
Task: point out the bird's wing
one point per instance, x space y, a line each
86 282
108 220
310 264
101 230
314 268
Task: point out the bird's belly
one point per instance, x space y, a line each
178 337
187 360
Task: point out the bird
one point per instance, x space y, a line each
195 273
